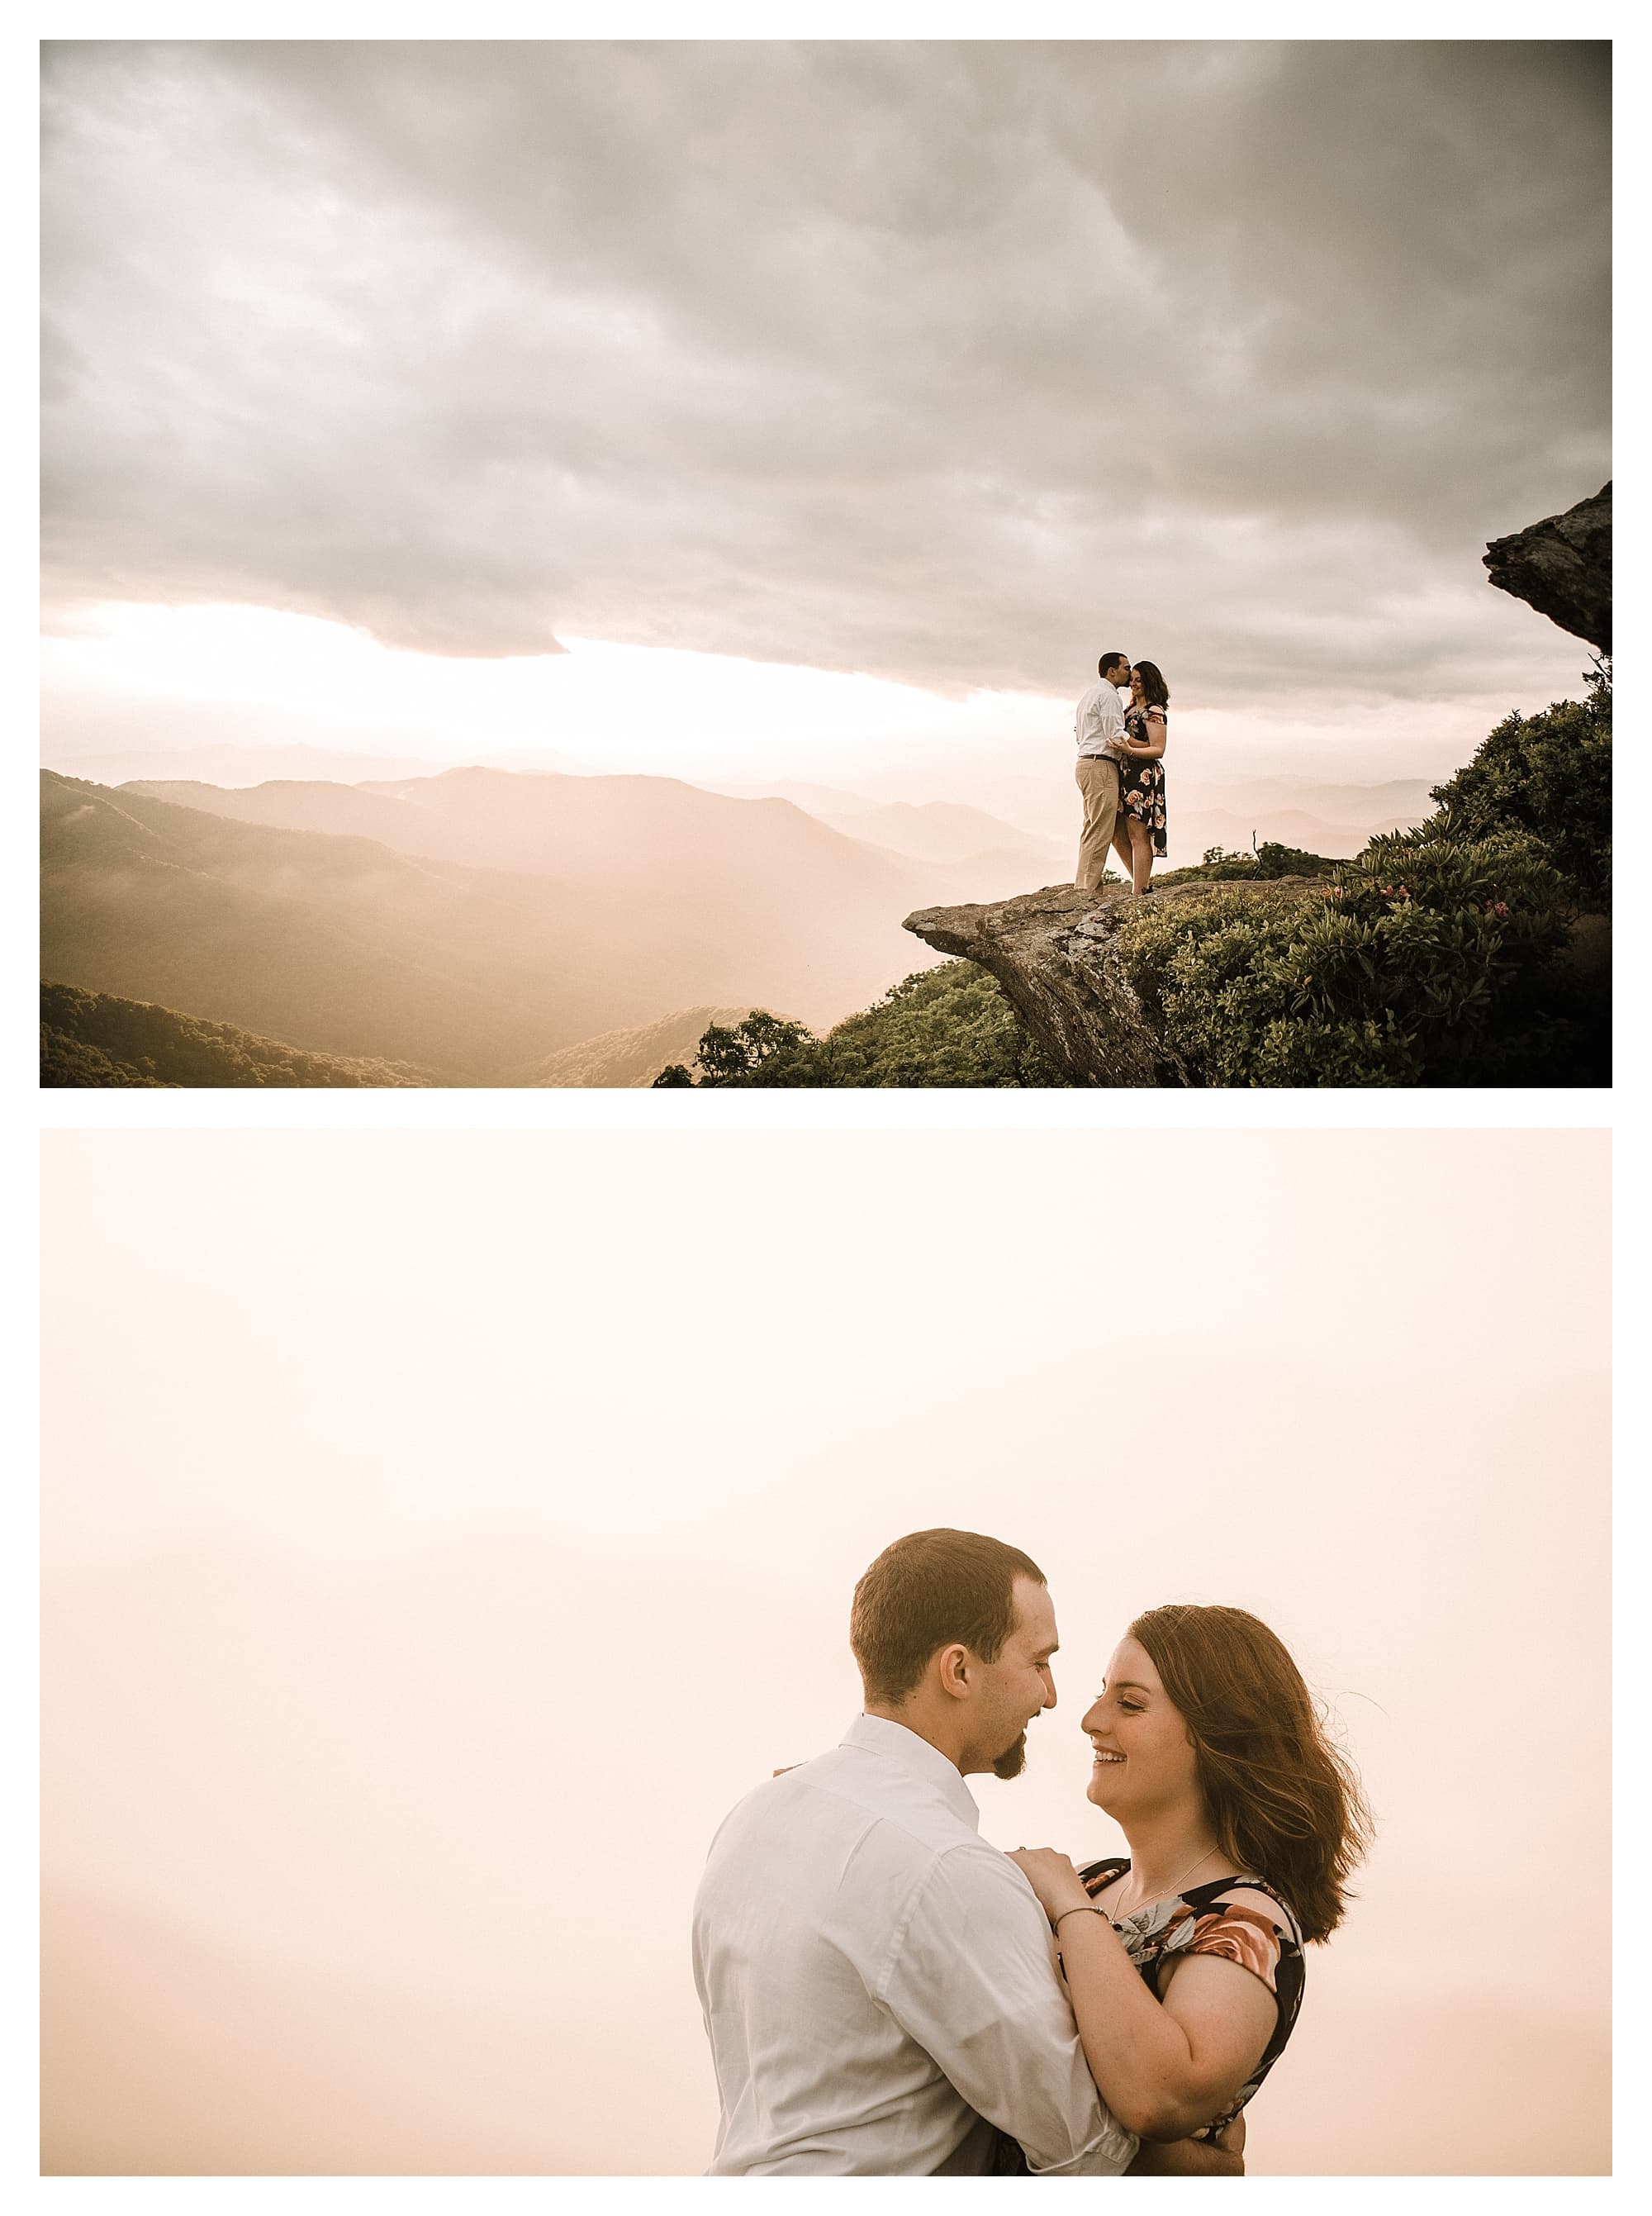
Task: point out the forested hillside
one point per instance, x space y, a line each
99 1039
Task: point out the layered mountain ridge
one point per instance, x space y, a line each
471 923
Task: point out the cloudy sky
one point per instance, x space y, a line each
943 365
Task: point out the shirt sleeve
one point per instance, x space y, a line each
1239 1934
970 1976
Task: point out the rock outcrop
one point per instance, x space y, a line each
1057 956
1562 568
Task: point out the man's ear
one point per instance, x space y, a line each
953 1666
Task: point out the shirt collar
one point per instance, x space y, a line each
878 1735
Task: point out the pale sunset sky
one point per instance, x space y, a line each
750 411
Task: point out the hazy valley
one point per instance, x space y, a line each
471 923
540 925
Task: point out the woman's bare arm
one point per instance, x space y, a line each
1150 748
1222 2157
1165 2067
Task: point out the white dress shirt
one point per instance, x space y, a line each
1098 724
880 1984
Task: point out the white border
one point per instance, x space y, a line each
821 19
737 1109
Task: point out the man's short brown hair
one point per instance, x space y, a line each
930 1590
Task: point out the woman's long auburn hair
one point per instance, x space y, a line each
1154 690
1284 1802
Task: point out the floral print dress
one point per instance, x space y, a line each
1141 784
1201 1923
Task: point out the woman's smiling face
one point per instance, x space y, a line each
1145 1760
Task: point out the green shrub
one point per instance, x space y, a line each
1270 860
65 1061
759 1049
1548 775
1274 860
1215 866
1425 963
949 1025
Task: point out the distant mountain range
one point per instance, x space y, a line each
235 765
629 1058
333 945
1324 819
940 831
473 923
229 765
494 927
1036 818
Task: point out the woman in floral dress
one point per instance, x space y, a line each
1139 835
1183 1960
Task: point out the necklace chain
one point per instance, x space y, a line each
1116 1913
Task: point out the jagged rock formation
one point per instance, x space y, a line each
1056 953
1562 568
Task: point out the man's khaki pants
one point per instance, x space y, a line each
1098 781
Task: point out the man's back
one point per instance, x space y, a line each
876 1981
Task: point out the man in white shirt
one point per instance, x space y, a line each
878 1981
1098 726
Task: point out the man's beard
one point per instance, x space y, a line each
1013 1760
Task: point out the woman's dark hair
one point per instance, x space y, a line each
1285 1803
928 1590
1155 690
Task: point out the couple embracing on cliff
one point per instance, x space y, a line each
1121 772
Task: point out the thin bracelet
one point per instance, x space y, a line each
1089 1909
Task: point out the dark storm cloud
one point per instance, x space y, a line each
924 359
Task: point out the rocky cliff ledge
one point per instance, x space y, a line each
1056 953
1562 568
